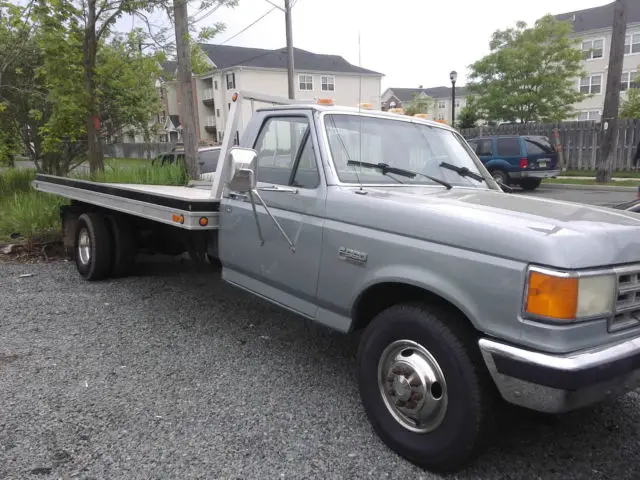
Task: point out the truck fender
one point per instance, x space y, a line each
424 279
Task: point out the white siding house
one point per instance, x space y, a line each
593 27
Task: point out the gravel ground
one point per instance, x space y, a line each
173 374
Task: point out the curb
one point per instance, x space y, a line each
594 188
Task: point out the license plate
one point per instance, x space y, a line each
542 164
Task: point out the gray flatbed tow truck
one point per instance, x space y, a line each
363 220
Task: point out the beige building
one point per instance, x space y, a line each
265 71
594 27
441 96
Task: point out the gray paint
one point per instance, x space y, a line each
468 245
599 18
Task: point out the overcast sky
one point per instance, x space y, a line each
412 42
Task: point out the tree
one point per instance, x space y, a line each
419 104
530 74
631 106
468 117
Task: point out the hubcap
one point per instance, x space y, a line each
498 178
84 246
412 386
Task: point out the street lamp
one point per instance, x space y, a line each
453 76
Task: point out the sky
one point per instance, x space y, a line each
412 42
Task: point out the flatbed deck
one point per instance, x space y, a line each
182 207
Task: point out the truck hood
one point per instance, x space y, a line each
516 226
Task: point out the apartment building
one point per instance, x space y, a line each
593 27
264 71
441 96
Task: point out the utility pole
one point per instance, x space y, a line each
609 121
287 21
186 88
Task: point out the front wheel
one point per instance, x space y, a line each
530 183
424 387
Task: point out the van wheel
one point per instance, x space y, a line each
500 177
93 247
123 245
530 183
424 386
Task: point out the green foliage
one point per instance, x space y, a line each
419 104
530 74
14 180
468 117
631 106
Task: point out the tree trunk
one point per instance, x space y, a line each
94 142
184 75
609 120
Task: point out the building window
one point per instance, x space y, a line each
457 103
628 80
632 43
593 115
441 104
217 112
229 105
441 116
305 82
328 83
215 84
231 81
592 84
593 49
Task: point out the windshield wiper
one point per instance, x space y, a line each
462 171
385 168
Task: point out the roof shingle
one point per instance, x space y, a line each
406 94
226 56
599 18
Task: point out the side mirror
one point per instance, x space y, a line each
243 165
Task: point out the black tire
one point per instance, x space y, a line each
530 183
94 262
124 250
467 421
500 176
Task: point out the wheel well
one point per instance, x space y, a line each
384 295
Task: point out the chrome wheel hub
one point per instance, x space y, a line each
84 246
412 386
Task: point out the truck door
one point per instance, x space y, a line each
286 146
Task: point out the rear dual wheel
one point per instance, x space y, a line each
104 246
424 387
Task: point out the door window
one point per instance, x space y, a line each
284 146
509 147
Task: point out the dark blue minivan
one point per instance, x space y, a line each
517 159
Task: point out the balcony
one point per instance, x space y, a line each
210 124
207 97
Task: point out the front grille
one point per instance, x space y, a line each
627 311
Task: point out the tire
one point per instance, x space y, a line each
93 248
124 251
530 183
500 177
465 390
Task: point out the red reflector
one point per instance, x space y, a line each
524 163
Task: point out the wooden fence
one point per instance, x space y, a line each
579 140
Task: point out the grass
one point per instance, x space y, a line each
592 173
30 213
631 182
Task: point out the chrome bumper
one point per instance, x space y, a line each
535 174
560 383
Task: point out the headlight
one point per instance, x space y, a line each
567 295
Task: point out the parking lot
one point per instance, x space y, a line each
173 374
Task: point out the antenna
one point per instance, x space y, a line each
360 102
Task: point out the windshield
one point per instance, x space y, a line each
400 144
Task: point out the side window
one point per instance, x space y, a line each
509 147
307 175
538 146
485 148
277 146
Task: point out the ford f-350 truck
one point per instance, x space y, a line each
390 225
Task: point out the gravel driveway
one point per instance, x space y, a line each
173 374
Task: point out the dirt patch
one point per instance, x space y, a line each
34 250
